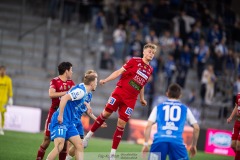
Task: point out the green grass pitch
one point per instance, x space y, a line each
24 146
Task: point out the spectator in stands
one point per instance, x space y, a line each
195 34
209 78
202 53
119 38
100 25
178 43
152 37
169 69
99 22
6 93
221 51
107 51
136 46
182 24
167 43
214 35
146 19
230 65
122 12
184 65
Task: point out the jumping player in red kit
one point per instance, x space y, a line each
134 75
235 144
58 87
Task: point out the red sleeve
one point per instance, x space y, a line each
129 64
53 84
237 101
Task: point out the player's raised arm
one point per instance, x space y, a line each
112 76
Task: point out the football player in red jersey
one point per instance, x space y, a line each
58 87
235 144
134 75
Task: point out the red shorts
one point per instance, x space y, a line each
122 102
48 121
236 130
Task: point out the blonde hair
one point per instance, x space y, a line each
90 72
151 46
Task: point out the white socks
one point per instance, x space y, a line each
69 157
113 152
89 134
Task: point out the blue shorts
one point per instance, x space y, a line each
80 129
63 131
160 150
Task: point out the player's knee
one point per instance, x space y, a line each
233 146
79 146
237 147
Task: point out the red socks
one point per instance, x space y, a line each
63 153
98 122
41 153
117 137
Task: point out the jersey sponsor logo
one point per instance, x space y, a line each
135 85
170 125
142 74
139 80
129 111
111 100
168 132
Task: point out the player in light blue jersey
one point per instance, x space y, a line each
170 117
85 108
62 124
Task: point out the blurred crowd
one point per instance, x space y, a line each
200 35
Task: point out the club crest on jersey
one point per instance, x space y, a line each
74 95
129 111
111 100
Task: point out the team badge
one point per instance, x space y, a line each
129 111
111 100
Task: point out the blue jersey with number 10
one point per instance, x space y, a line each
171 117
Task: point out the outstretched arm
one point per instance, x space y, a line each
232 114
112 76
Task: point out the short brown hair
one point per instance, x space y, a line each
174 91
150 45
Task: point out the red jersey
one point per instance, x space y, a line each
135 77
238 103
59 86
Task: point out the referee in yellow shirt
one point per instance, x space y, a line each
6 95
